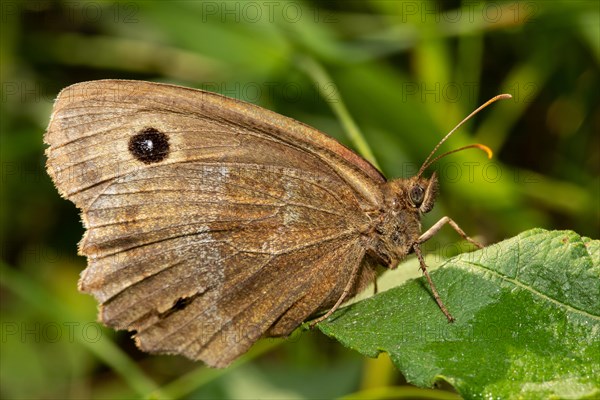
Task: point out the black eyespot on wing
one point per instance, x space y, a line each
149 145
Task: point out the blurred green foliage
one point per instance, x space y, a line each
407 72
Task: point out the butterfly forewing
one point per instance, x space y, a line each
247 224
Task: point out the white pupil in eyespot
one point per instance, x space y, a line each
148 145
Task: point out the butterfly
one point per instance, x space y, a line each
211 222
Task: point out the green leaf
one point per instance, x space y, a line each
527 321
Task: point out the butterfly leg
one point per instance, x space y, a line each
345 292
434 291
428 235
438 225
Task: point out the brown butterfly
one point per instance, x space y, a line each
212 222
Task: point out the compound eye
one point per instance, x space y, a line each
417 193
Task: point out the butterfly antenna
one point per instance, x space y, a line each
428 161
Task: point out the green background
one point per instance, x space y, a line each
407 73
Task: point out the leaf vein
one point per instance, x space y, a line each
534 291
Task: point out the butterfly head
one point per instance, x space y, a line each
398 225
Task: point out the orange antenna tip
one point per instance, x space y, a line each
487 150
